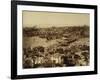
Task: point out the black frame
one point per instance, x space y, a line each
14 38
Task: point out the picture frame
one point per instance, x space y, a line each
22 14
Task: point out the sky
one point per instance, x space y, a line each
57 19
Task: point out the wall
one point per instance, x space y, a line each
5 41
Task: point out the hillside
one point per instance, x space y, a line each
61 46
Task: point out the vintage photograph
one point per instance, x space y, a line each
55 39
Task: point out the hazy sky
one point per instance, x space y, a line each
48 19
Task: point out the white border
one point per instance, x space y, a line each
21 71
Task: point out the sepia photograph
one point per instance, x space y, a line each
55 39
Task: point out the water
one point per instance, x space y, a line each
37 41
